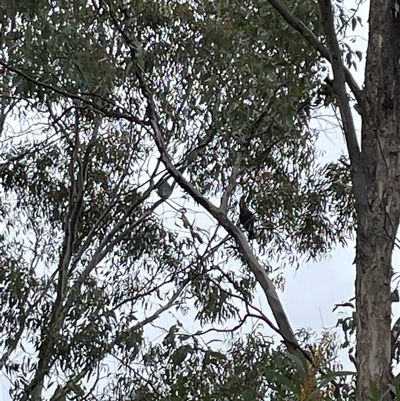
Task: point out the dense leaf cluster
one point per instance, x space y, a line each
92 260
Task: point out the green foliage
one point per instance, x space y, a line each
91 258
251 369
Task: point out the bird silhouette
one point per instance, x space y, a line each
165 190
246 217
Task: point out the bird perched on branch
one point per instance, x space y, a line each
165 190
247 218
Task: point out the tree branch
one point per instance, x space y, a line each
61 392
318 45
219 215
116 112
231 183
339 87
243 246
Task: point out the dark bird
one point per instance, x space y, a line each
247 218
165 190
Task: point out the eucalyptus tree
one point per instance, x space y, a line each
106 104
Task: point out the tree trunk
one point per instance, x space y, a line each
373 307
377 229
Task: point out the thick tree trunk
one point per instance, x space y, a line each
377 229
373 307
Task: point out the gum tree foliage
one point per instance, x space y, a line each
102 103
